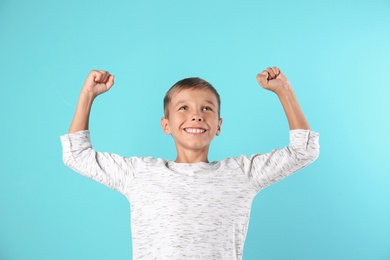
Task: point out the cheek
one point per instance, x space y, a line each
181 117
176 121
216 125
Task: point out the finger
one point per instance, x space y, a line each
110 81
265 74
271 73
105 76
276 71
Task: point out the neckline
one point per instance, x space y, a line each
193 168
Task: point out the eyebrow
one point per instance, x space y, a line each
185 101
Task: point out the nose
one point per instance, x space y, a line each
197 118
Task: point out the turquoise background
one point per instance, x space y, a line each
335 53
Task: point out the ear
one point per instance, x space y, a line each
165 126
219 127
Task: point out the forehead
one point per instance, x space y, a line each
192 95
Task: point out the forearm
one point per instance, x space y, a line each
81 117
97 82
296 118
274 80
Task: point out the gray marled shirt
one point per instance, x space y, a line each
189 211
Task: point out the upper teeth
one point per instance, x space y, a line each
195 130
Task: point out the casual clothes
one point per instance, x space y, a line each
189 211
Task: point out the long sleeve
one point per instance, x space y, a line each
266 169
109 169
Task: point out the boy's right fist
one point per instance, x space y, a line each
98 82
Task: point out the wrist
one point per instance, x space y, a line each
285 92
87 96
85 101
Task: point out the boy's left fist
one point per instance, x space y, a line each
273 79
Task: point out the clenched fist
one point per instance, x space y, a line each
98 82
273 79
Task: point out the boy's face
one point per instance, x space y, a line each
193 120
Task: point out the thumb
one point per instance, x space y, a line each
96 76
91 79
262 78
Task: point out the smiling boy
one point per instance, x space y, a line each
190 208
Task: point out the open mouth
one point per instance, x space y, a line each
195 130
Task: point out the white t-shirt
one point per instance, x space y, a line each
189 211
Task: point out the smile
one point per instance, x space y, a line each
195 130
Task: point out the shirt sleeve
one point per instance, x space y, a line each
109 169
266 169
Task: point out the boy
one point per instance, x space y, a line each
190 208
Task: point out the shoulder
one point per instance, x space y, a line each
238 161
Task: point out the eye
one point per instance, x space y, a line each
183 108
207 109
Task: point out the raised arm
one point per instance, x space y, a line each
273 79
97 82
109 169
